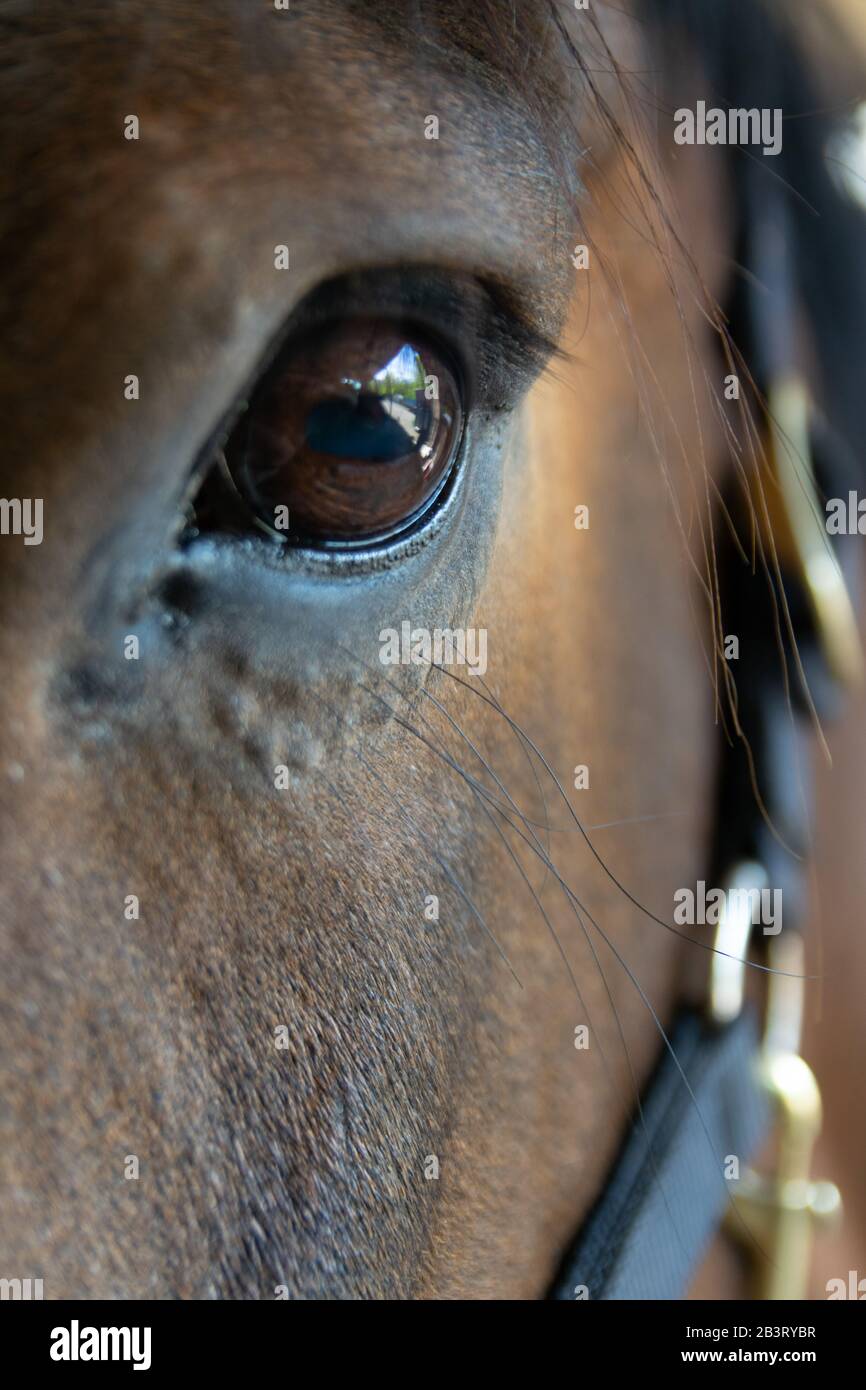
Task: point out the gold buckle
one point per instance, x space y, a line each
776 1214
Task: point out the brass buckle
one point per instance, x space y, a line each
776 1213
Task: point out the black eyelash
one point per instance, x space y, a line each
499 351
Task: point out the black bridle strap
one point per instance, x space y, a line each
645 1237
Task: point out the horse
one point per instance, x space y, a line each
336 959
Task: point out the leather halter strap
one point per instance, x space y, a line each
668 1192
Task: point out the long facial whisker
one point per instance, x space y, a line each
481 793
660 1028
487 697
530 761
452 877
446 869
637 820
647 912
578 909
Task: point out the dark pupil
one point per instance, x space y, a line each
383 420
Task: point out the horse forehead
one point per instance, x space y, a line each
506 49
304 127
260 86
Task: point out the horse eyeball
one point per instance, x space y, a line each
350 436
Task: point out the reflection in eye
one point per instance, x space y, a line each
350 437
382 419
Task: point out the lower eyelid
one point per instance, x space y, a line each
369 558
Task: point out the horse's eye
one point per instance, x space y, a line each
349 437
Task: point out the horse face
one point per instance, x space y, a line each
282 920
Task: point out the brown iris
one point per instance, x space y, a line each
350 436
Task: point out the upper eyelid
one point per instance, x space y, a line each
500 346
339 297
496 349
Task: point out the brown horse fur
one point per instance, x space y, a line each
306 1167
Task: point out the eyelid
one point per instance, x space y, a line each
498 349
